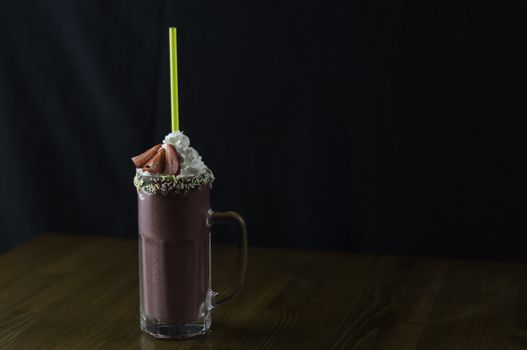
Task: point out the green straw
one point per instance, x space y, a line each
174 100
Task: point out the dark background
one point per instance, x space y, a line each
363 125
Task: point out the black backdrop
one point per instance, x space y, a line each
363 125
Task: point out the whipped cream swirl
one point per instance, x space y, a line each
190 160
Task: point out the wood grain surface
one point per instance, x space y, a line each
77 292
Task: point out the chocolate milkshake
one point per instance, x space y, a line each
173 188
174 246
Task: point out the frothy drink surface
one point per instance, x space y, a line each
174 244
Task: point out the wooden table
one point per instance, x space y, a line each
73 292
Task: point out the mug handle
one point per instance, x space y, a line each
220 298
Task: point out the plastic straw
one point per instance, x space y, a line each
174 98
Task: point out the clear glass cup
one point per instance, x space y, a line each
176 298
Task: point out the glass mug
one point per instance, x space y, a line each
174 263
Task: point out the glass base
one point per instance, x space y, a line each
163 330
